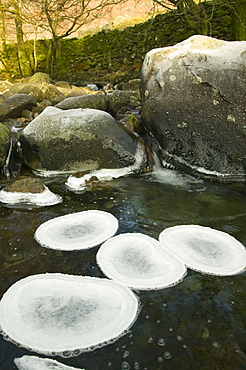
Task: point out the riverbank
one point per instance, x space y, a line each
116 55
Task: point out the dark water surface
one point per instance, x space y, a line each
197 324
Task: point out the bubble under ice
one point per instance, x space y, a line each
205 249
140 262
36 363
81 230
57 314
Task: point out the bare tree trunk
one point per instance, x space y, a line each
23 62
194 16
48 60
3 43
19 36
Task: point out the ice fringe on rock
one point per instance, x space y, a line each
38 363
81 230
205 249
57 314
105 174
140 262
46 198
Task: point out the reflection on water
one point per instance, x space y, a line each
197 324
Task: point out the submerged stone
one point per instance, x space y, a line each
56 314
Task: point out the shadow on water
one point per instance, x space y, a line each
197 324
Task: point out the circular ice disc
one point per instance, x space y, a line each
75 231
140 262
56 313
205 249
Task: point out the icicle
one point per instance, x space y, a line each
6 167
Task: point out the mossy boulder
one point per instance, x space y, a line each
5 137
75 140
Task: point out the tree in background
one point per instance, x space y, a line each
194 14
14 15
3 41
22 20
239 18
61 18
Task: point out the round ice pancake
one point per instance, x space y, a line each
205 249
58 314
75 231
140 262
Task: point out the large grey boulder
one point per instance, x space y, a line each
193 102
78 140
13 106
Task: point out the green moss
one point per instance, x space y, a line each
5 134
120 52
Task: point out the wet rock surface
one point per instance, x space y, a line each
193 101
26 185
77 140
28 192
191 112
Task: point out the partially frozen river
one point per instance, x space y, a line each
197 324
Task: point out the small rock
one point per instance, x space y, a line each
13 106
40 78
26 185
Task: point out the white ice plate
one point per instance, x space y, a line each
57 314
81 230
140 262
205 249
